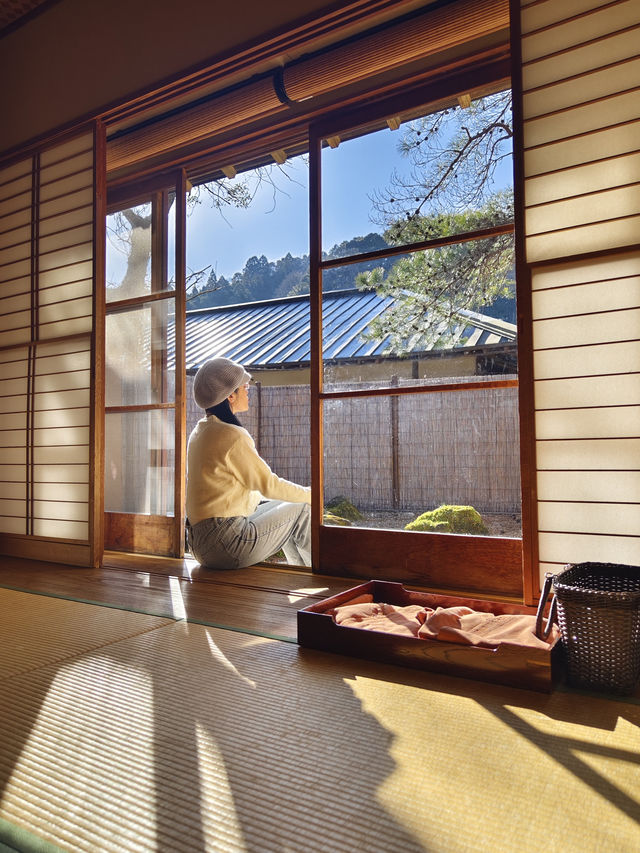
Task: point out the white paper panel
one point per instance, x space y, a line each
13 420
77 492
587 298
621 390
11 472
17 187
70 273
15 204
65 186
81 200
61 436
60 456
15 220
588 270
15 286
565 95
20 269
14 386
62 328
68 166
67 238
64 292
61 418
13 363
13 438
603 175
571 33
616 519
606 327
64 355
15 236
20 336
60 529
545 14
13 404
15 526
622 454
66 257
62 400
20 252
582 239
9 456
20 320
53 473
598 360
69 380
580 59
12 304
12 507
581 548
67 220
63 311
64 150
595 207
582 118
15 491
59 509
599 486
11 173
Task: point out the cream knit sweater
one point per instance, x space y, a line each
226 476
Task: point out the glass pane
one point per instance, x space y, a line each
279 422
432 175
248 278
438 313
139 462
432 450
248 237
171 243
128 265
139 342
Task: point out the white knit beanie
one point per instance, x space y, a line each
216 380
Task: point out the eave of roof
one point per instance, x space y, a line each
275 333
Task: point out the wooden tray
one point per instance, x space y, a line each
518 666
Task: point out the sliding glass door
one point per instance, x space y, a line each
144 369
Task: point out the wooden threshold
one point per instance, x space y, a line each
262 600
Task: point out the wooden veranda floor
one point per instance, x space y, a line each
258 600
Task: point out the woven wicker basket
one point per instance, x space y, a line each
599 617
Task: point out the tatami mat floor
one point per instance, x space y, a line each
128 732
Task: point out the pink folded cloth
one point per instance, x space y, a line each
463 625
448 624
376 616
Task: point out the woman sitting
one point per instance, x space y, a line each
238 511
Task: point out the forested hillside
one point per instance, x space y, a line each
289 276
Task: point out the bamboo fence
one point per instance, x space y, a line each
410 452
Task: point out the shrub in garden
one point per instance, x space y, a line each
450 519
343 508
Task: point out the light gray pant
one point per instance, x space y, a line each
238 542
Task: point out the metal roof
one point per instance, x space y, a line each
275 333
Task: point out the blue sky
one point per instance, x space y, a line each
276 224
277 221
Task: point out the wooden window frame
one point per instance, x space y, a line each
141 533
446 562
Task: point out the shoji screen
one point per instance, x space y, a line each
581 120
47 260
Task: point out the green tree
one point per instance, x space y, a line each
432 289
450 188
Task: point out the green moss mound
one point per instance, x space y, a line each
343 508
450 519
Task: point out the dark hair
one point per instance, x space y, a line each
224 413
